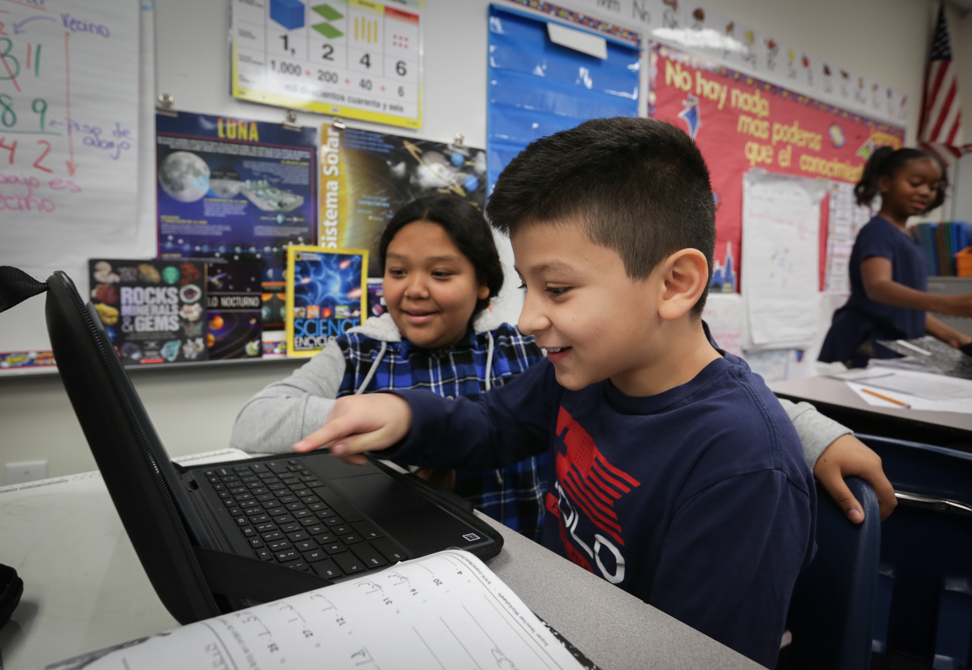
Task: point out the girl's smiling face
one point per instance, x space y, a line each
430 286
912 188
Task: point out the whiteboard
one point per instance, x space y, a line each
780 259
71 77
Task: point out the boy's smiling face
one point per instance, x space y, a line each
594 321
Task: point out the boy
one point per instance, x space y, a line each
678 476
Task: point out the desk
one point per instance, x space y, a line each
85 589
833 398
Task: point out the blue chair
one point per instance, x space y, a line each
924 603
833 600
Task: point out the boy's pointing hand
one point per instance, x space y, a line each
361 423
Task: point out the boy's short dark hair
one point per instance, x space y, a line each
637 186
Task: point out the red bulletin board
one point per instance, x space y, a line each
741 123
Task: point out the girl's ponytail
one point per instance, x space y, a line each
867 188
885 162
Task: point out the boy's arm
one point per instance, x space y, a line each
731 557
504 426
285 411
832 452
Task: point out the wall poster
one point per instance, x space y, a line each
359 59
366 177
231 188
327 294
741 123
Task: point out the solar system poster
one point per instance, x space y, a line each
234 327
153 311
366 177
231 188
327 294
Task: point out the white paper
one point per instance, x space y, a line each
69 189
723 314
220 456
780 274
921 384
845 219
447 610
960 406
772 365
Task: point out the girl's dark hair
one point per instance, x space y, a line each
885 162
466 228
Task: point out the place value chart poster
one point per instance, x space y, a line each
231 188
359 59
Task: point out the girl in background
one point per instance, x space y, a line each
889 281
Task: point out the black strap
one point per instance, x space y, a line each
11 588
232 575
16 286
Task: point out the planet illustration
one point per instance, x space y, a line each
184 176
837 137
170 274
216 322
225 182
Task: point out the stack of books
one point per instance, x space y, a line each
940 242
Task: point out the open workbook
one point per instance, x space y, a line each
446 610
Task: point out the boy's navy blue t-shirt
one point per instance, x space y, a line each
862 319
697 500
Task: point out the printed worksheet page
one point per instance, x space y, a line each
447 610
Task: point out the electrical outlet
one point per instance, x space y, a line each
18 473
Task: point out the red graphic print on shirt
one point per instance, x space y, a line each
588 486
592 483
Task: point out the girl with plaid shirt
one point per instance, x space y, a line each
441 269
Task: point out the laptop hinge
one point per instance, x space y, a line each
252 579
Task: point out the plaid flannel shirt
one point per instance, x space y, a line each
512 495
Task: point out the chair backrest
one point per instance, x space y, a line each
833 601
925 584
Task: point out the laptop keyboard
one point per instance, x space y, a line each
288 515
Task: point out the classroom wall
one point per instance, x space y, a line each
193 410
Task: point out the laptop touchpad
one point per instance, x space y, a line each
376 495
418 524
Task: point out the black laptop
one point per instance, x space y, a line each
219 537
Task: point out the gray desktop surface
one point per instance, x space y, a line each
85 589
834 398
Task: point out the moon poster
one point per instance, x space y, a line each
366 177
233 189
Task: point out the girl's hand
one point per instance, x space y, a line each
958 340
946 333
849 457
957 305
361 423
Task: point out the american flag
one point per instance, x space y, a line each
940 127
